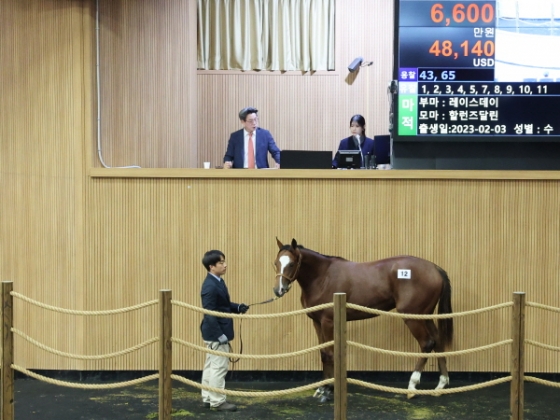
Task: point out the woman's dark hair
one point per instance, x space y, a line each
361 122
212 257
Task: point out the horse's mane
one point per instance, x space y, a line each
286 247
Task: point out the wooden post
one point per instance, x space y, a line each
340 384
517 356
165 355
7 351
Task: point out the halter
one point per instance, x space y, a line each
296 272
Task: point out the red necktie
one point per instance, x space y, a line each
250 153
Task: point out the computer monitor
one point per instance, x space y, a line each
349 159
382 149
305 159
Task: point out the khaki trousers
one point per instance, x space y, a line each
214 373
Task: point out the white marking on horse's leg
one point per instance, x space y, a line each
320 391
443 382
414 380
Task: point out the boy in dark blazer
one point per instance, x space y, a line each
217 332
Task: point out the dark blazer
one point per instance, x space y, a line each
215 297
348 144
265 143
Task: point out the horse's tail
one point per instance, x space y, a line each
445 326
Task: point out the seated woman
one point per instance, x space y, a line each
356 141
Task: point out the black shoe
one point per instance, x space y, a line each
206 405
225 406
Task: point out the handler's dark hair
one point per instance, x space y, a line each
212 257
246 111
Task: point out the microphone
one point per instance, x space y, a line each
361 153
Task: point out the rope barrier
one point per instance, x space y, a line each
542 345
84 357
281 355
84 386
430 355
435 392
542 381
440 316
250 393
245 316
541 306
87 313
256 356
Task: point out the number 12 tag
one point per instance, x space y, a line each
403 274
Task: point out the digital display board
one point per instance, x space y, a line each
477 70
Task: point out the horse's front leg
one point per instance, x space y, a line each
325 333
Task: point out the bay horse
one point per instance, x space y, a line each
411 285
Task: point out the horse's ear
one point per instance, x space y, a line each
294 243
280 245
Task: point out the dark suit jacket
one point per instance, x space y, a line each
348 144
265 143
215 297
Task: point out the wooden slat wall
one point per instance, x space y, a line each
148 84
42 123
492 237
101 243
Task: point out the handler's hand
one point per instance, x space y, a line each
228 165
243 308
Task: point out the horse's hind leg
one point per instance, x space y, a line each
427 342
442 364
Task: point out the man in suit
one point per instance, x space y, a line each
249 147
217 332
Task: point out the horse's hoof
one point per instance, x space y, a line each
318 393
410 396
324 399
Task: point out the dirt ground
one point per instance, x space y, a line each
39 400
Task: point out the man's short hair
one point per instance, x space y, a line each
246 111
212 257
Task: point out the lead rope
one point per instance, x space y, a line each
233 361
296 272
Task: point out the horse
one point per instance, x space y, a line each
408 284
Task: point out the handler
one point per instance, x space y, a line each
217 332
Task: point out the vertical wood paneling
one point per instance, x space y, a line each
148 88
42 120
154 233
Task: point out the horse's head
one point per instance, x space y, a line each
287 265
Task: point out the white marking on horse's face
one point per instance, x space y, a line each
284 260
